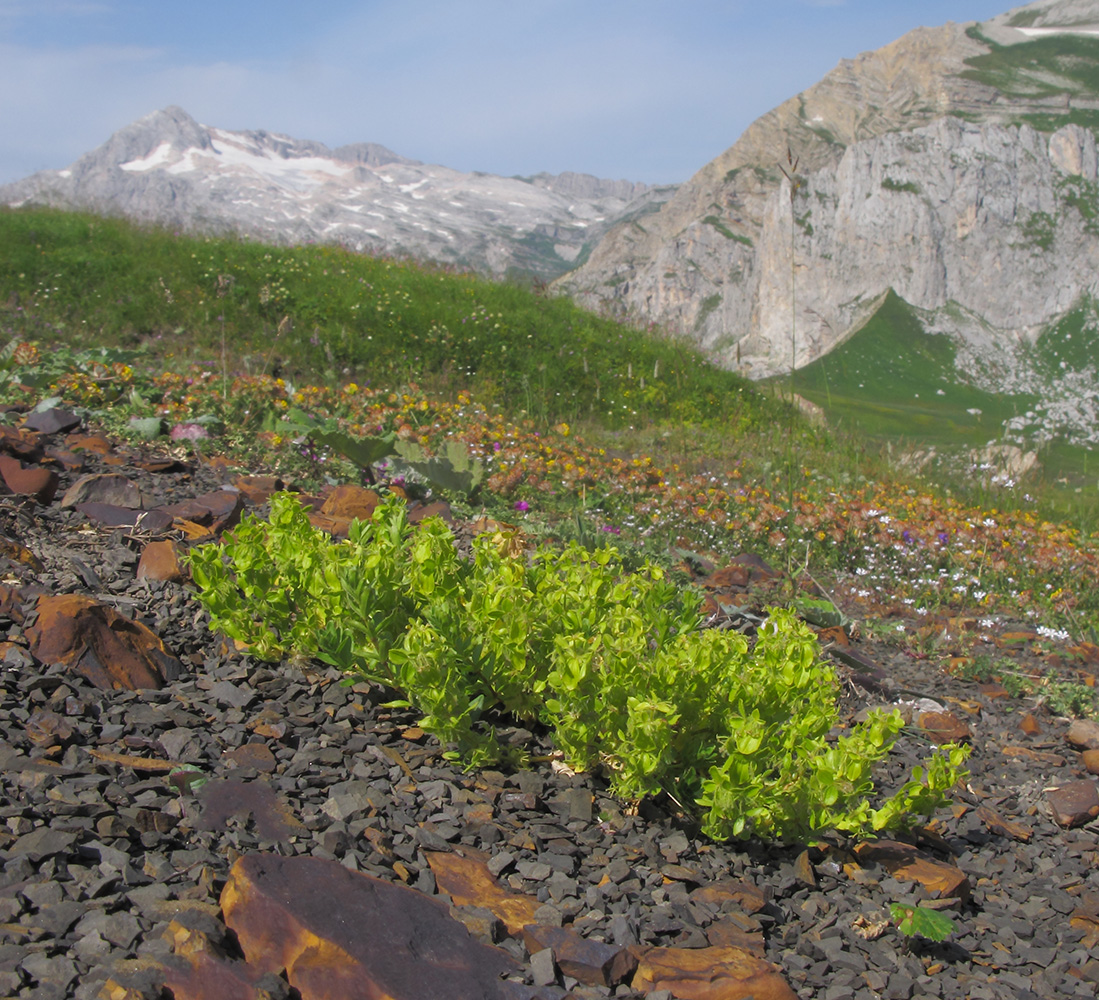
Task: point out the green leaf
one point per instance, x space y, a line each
147 427
919 921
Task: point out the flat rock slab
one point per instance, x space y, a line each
105 488
340 934
52 421
217 510
591 962
29 481
468 882
710 974
1074 804
906 864
110 651
1084 734
160 561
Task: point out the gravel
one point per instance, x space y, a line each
97 858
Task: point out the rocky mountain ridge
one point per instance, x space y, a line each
955 166
168 169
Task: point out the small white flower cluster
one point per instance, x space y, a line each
1058 634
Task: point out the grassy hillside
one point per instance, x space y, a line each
895 382
897 385
1043 68
577 427
321 312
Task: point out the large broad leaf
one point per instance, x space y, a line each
916 920
454 471
364 452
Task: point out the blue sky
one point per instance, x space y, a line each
648 90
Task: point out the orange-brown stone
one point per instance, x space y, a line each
352 502
1074 804
101 645
591 962
339 934
906 864
32 481
714 973
468 882
1004 827
1090 760
258 489
218 510
160 561
20 443
944 727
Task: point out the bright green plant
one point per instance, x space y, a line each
919 921
613 661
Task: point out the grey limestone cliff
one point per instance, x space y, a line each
942 166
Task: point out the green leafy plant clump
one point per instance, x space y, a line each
613 662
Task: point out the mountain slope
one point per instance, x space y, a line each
168 169
920 167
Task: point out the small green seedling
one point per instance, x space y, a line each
918 921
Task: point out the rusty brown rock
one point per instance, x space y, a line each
468 882
1083 734
591 962
160 561
352 502
1074 804
437 508
225 797
110 651
750 898
944 727
1004 827
218 510
1090 760
95 443
340 934
255 755
22 444
710 974
104 488
738 931
258 489
32 481
906 864
113 516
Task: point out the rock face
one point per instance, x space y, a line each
945 166
168 169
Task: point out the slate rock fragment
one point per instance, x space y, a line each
99 644
339 933
710 974
29 481
1074 804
